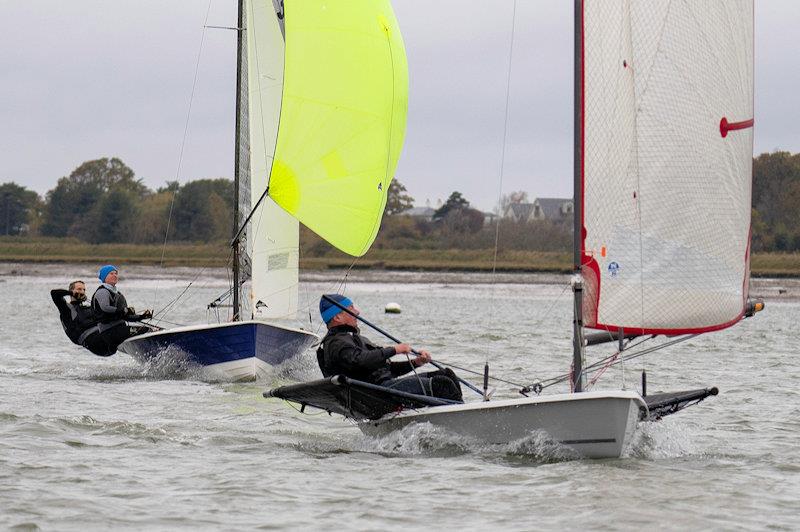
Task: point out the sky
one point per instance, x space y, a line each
85 79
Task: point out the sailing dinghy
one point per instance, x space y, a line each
662 185
322 96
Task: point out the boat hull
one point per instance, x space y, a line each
595 424
238 351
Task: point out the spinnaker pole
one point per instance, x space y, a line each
578 378
236 170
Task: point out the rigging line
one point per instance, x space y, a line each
306 291
247 220
537 321
164 246
658 347
168 307
502 162
602 370
344 279
599 373
605 359
339 287
564 376
479 373
419 379
547 312
168 322
176 298
625 358
183 143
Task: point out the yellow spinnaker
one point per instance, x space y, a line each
343 117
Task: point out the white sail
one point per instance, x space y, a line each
667 163
272 235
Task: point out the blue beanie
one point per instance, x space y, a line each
105 270
328 310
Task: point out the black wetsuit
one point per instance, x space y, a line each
79 323
76 317
110 308
345 352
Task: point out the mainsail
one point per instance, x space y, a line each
667 163
327 86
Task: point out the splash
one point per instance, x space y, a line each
173 363
659 440
299 368
168 364
426 439
540 448
419 439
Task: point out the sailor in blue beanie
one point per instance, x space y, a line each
112 312
103 272
344 351
329 310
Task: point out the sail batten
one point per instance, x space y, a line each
667 174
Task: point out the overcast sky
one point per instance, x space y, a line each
85 79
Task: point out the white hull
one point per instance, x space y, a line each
244 370
236 370
595 424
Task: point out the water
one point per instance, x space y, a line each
99 443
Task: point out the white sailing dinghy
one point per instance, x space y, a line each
322 96
663 158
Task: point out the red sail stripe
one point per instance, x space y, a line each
725 126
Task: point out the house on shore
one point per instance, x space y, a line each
420 213
556 210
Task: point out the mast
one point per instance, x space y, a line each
236 169
577 230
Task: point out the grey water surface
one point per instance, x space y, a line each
93 443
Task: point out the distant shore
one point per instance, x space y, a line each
771 289
217 255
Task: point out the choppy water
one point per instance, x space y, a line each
99 443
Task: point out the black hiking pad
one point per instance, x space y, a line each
664 404
353 399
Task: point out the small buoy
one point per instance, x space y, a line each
393 308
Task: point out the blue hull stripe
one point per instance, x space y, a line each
219 344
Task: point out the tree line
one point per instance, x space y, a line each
103 201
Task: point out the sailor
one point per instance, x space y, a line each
344 351
112 311
77 317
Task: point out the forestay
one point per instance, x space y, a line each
667 163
